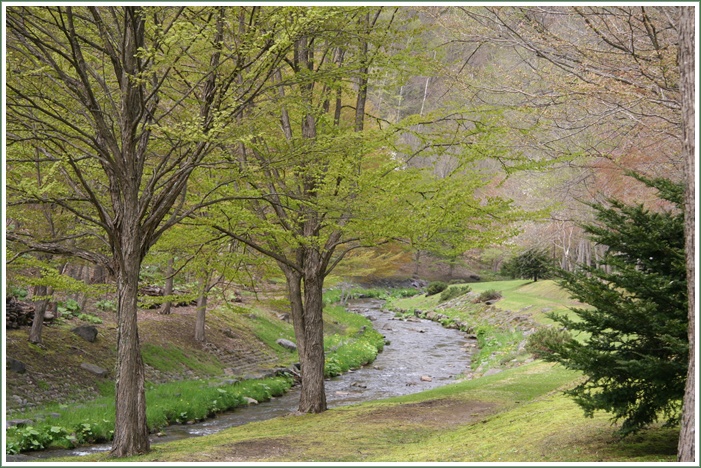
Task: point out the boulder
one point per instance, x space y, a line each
97 370
250 401
15 366
426 378
287 344
86 332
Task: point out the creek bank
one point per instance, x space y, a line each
501 334
420 355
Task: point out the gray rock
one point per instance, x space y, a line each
15 366
86 332
97 370
287 344
18 423
492 372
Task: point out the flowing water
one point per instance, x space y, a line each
421 355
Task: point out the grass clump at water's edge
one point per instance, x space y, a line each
169 403
519 415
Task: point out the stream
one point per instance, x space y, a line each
420 355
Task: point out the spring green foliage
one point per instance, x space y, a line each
635 359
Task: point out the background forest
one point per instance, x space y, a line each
207 154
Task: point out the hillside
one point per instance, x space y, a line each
240 342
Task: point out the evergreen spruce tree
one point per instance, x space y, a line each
633 349
532 263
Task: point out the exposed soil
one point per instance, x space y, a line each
433 413
258 449
437 414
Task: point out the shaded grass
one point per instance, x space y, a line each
170 358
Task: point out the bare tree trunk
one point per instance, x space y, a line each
85 276
202 308
686 449
169 288
313 395
39 311
130 428
294 289
417 262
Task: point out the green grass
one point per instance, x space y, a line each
521 294
181 401
169 403
269 330
519 415
172 359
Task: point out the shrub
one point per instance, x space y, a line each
89 318
544 342
453 292
106 305
68 308
489 295
435 287
18 292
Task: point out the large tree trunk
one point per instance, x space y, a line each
130 428
39 311
312 359
307 319
686 448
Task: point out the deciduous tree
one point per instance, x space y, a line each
122 104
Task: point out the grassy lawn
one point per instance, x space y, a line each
517 415
522 296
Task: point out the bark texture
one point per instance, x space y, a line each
169 288
686 449
130 428
313 396
39 311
